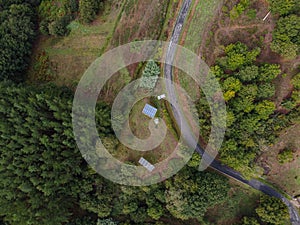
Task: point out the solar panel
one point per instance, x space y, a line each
149 111
146 164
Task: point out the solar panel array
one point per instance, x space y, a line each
149 111
146 164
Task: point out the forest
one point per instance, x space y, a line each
44 179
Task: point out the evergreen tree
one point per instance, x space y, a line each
42 172
17 32
150 75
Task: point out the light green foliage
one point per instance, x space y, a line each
294 100
217 71
246 87
286 155
272 210
232 84
150 75
265 109
250 221
195 160
296 81
296 92
284 7
238 9
269 72
286 36
237 56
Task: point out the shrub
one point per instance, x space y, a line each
59 27
88 10
285 156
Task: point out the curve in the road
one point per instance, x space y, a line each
294 216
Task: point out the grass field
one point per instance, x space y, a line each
139 124
202 14
242 202
70 56
284 176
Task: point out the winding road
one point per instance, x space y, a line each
180 119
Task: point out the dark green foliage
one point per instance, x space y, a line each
266 90
59 27
4 4
55 16
106 222
286 36
141 204
40 163
43 70
83 221
88 10
272 211
17 32
248 73
99 199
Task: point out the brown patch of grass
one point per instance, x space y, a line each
139 124
141 20
285 176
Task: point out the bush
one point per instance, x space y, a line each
55 17
106 222
17 33
239 9
88 10
59 27
285 156
44 27
286 36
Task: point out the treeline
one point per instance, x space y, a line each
18 27
286 36
21 20
269 211
248 92
55 16
42 172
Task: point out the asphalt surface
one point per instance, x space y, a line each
190 139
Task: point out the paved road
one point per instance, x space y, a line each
185 130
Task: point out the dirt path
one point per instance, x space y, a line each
229 29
